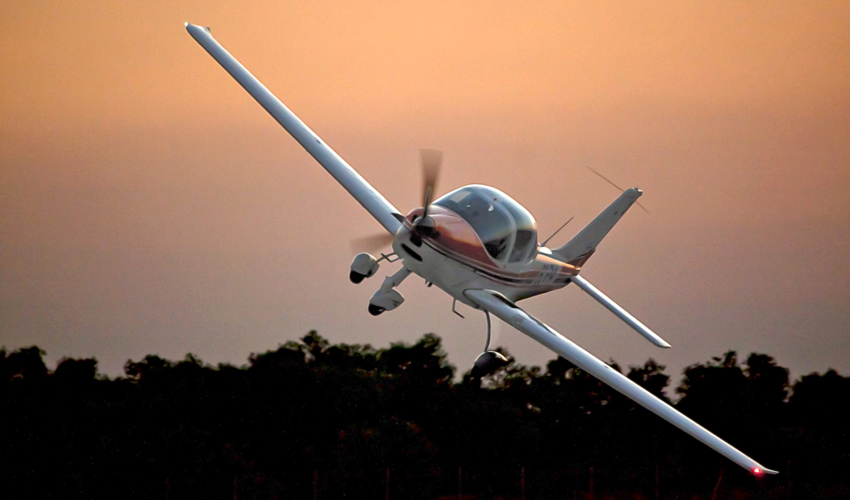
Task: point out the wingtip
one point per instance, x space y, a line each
189 27
657 341
760 471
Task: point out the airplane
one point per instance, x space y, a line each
480 246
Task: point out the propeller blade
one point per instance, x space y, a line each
431 161
371 243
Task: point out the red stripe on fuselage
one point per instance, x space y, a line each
455 238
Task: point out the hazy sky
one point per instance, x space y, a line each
148 205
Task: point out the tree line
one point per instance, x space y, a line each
313 419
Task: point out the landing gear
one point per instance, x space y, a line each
488 361
363 266
387 297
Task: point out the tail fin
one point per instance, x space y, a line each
582 246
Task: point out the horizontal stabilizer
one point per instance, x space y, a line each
619 311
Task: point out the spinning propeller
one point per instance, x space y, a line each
430 162
431 159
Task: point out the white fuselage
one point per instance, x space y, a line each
436 262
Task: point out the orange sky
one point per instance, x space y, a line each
148 205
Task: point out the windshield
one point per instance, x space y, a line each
507 230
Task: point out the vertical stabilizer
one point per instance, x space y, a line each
582 246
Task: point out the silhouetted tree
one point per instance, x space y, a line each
185 429
820 458
76 371
24 364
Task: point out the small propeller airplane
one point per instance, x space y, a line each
480 246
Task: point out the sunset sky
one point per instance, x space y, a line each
149 205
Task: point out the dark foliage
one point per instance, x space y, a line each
336 421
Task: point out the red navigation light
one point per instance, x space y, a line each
757 471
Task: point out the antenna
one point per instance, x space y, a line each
556 232
609 181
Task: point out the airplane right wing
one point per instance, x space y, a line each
511 314
362 191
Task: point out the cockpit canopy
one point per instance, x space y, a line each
508 230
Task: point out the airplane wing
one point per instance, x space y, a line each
362 191
511 314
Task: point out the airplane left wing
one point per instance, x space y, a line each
513 315
362 191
